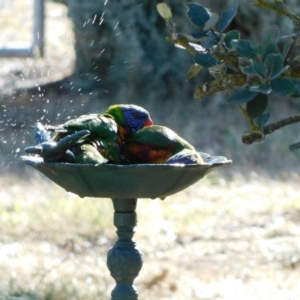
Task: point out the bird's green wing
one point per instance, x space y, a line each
98 125
158 136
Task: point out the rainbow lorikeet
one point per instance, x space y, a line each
129 118
108 130
156 144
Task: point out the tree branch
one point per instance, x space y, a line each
219 85
280 9
257 136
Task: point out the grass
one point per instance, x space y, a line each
233 235
46 238
226 238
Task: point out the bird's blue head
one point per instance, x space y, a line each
130 116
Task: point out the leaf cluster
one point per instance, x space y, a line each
249 73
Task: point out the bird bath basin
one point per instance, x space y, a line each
124 181
124 184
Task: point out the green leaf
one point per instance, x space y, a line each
269 62
244 48
297 84
242 96
283 87
259 68
227 16
248 70
231 35
261 88
198 14
268 49
271 36
211 22
205 60
210 42
280 72
274 63
193 71
200 36
262 120
257 106
286 49
295 95
164 11
259 49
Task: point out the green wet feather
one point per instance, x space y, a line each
98 125
117 114
159 137
103 132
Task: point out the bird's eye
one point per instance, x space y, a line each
137 116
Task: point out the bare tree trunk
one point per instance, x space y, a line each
120 47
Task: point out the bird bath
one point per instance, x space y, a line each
124 184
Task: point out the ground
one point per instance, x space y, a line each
233 235
219 239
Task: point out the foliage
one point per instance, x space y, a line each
249 73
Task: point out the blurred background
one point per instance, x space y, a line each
97 54
229 236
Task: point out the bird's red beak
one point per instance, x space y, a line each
148 122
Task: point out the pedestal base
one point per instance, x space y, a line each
124 260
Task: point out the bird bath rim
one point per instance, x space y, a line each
124 181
